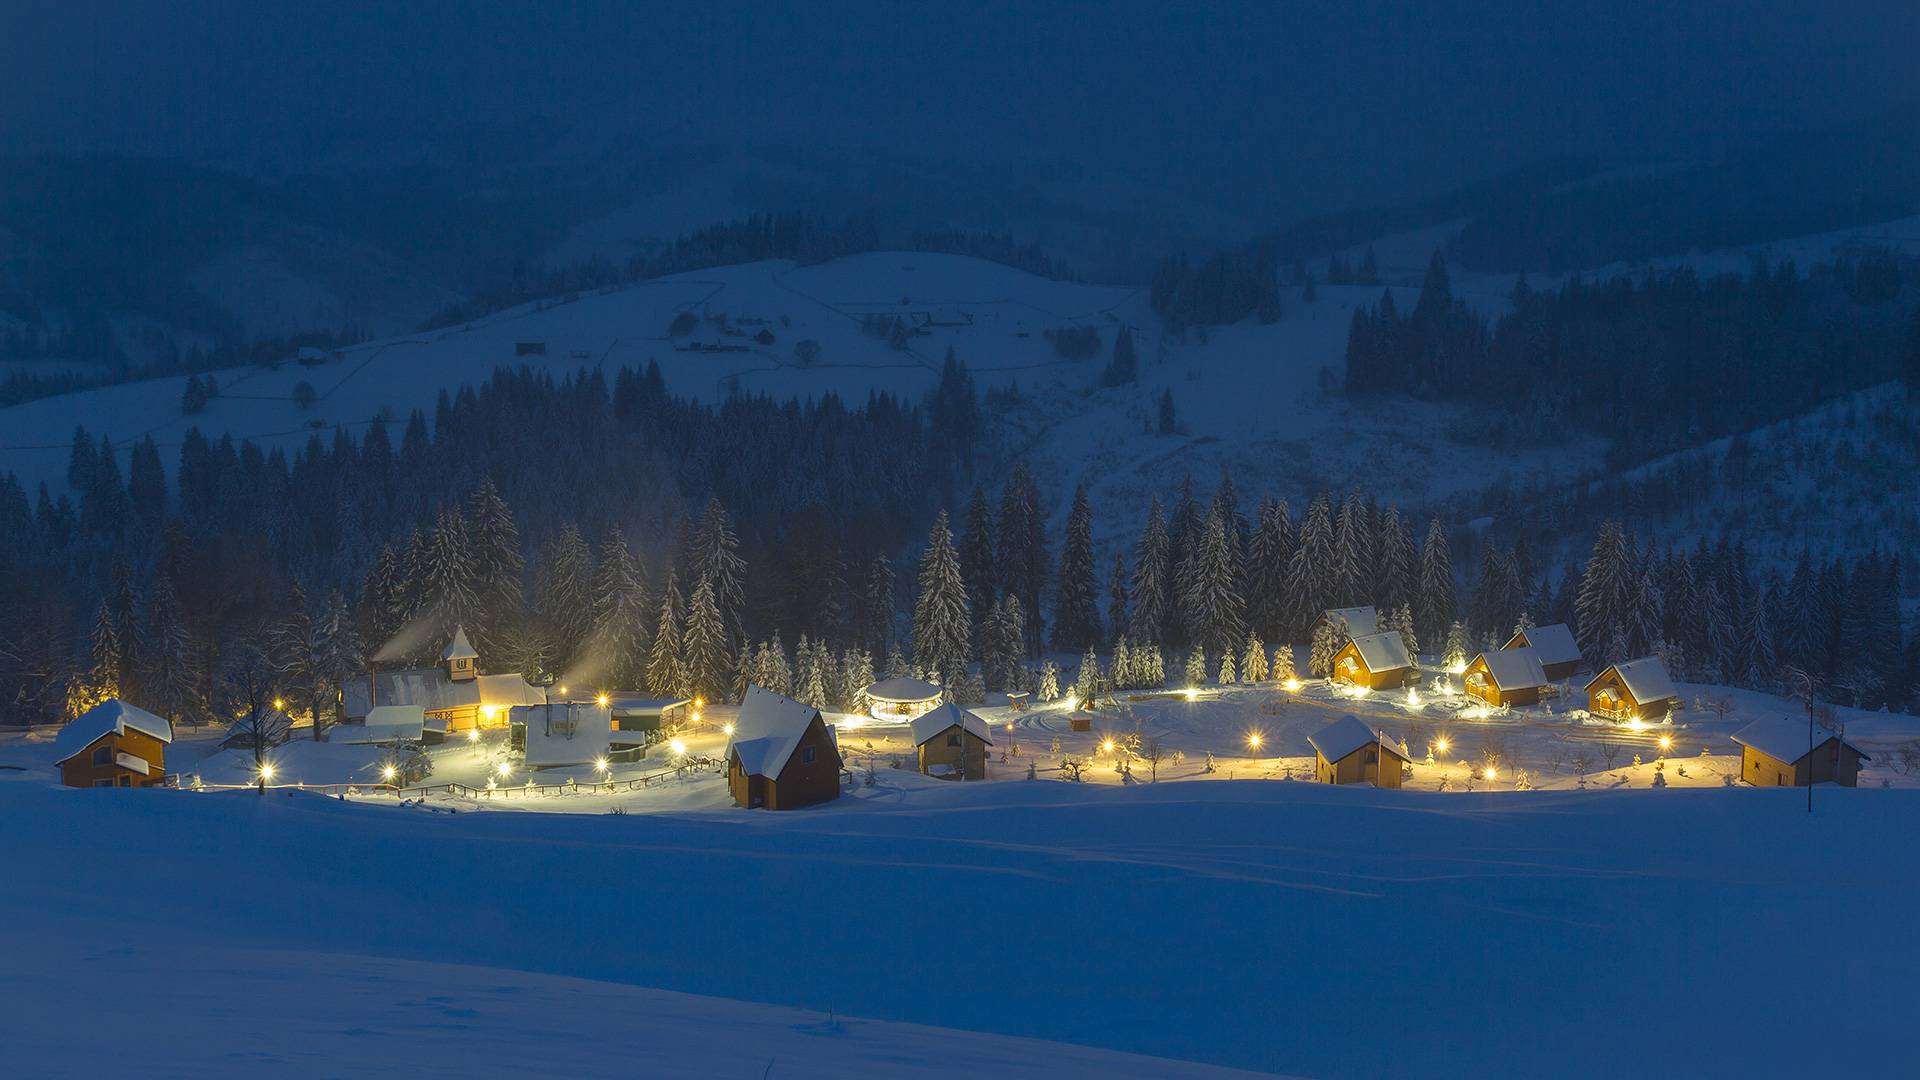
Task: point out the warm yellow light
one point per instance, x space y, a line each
473 734
388 772
1293 685
563 690
1413 696
728 728
278 704
1493 771
266 770
1666 742
1442 744
677 746
1107 745
1634 723
696 716
1192 694
505 770
699 702
601 764
487 711
1253 741
603 701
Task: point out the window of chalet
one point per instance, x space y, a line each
808 754
103 755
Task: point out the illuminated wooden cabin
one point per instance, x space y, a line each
1506 677
1347 751
1775 752
113 744
783 755
1375 661
1559 654
900 699
952 743
1633 690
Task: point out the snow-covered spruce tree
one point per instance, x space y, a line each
1312 572
812 676
106 670
1327 641
1715 628
1150 578
705 647
339 656
1607 589
382 596
1454 655
1003 643
717 562
779 671
1393 578
292 647
857 674
1403 622
1268 555
1524 623
967 689
1282 667
1122 672
1756 645
1196 673
1049 688
1227 676
1076 610
1253 663
171 677
1086 680
1118 598
1644 621
498 568
977 569
1353 552
1157 668
1214 611
451 598
620 639
563 593
1434 610
666 673
941 624
740 674
897 666
1023 548
877 608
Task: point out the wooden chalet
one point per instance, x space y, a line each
952 743
1633 690
1776 752
1347 751
783 755
1559 654
1375 661
113 744
1506 677
454 696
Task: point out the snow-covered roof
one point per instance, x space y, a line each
112 716
1348 734
432 690
1554 643
639 706
384 723
934 721
768 729
903 689
1512 669
1357 621
564 733
1646 679
1785 737
506 691
459 648
1383 652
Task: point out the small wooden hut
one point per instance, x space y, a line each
783 755
1347 751
113 744
952 743
1633 690
1375 661
1506 677
1776 752
1559 654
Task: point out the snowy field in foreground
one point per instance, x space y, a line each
1272 926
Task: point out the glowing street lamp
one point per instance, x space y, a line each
505 770
727 729
1106 745
1254 740
266 770
1442 744
600 765
1293 686
473 734
1666 743
388 772
602 700
279 704
678 746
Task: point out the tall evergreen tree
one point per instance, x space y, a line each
1117 596
666 673
620 639
1150 579
1313 571
977 559
448 588
717 561
497 566
1076 612
1607 590
704 647
564 592
1434 609
171 679
940 613
1215 609
1023 548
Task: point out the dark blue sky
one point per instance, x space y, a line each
1326 102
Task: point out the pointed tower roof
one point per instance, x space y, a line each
459 648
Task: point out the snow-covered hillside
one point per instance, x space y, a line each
1248 397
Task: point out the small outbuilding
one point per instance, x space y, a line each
1506 677
1559 654
952 743
1775 752
649 714
563 733
388 725
1347 751
113 744
1375 661
1634 690
900 699
783 755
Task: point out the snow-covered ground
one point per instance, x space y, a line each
1276 926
